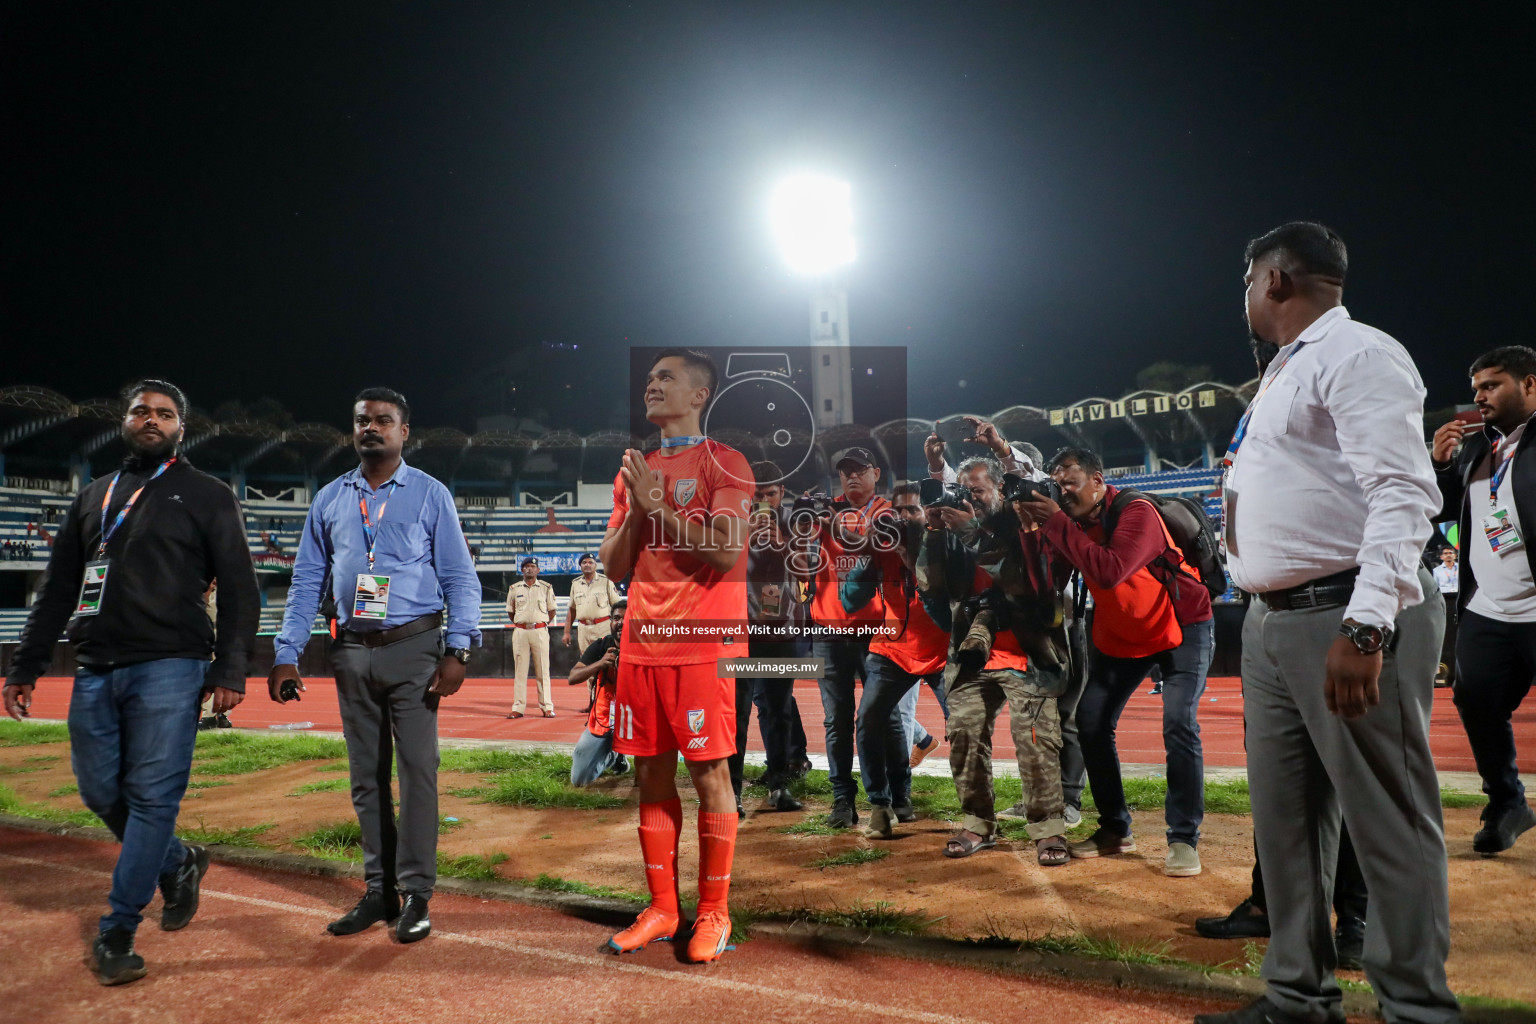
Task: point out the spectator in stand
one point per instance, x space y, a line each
990 581
827 546
531 610
1448 579
598 667
1149 608
1488 485
773 602
551 525
128 575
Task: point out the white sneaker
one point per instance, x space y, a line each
1016 811
1183 861
1072 816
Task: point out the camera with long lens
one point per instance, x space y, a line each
1021 488
936 494
989 613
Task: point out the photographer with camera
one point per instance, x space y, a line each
1150 608
773 601
1022 459
831 537
989 580
599 666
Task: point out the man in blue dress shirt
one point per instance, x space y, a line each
387 536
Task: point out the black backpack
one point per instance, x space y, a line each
1190 529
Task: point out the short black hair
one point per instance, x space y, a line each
905 487
695 360
767 474
1302 247
389 395
159 387
1516 360
622 602
1030 452
1087 458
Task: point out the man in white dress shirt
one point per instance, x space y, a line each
1448 579
1489 488
1328 501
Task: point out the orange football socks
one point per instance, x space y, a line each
717 848
660 826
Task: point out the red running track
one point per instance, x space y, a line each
478 711
257 950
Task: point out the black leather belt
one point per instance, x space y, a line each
1327 592
384 637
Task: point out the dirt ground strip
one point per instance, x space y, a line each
997 893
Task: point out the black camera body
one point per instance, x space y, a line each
288 691
936 494
1019 488
818 504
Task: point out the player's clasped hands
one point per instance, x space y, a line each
647 487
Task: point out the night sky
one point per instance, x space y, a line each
295 200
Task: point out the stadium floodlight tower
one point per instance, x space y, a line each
812 220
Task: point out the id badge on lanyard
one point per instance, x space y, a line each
1498 526
371 600
93 587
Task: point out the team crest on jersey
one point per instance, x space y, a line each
684 490
696 721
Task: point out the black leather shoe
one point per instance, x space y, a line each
1500 831
414 924
843 815
782 800
375 906
1262 1011
905 813
1349 943
1245 922
180 889
113 958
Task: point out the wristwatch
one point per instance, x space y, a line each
462 653
1367 639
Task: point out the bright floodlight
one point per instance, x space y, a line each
812 219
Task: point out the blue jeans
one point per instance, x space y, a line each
593 756
1111 681
916 734
131 734
842 665
884 742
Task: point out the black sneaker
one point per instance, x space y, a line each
222 721
180 889
781 800
1262 1011
843 815
1500 830
1245 922
741 812
375 906
1349 943
113 958
414 924
905 813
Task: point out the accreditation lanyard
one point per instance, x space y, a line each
1498 475
681 442
1242 424
108 533
370 527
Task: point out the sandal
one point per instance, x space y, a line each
516 714
964 843
1052 852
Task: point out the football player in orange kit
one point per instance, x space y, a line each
679 524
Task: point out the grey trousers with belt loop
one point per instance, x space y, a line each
1306 767
387 715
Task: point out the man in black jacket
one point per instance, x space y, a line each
1489 488
128 572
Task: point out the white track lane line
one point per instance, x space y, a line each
601 961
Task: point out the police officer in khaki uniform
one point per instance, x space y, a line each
531 607
593 596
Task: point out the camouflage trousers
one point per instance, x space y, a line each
975 698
